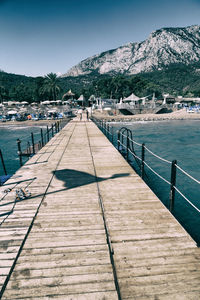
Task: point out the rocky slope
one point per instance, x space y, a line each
163 47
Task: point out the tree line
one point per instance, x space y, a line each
175 80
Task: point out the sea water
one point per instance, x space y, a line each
172 140
8 144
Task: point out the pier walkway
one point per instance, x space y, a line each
91 228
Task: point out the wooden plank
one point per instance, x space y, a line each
62 290
44 250
60 271
66 254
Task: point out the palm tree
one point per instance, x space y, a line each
50 84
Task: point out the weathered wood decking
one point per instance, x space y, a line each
55 244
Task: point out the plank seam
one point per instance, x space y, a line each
111 252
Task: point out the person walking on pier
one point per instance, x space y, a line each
80 113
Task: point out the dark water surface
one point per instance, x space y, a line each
172 140
8 143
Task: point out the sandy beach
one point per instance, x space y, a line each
177 115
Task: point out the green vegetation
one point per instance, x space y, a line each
177 79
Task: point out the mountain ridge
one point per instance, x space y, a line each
163 47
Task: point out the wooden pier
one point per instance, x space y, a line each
91 229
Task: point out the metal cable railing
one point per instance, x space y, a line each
173 164
32 147
125 144
157 156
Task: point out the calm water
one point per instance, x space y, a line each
171 140
8 145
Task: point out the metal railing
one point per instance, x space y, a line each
3 163
126 146
4 174
31 147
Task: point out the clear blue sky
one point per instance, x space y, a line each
42 36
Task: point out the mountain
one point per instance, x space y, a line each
163 47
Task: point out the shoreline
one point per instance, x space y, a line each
31 123
177 115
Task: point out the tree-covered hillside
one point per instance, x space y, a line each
176 79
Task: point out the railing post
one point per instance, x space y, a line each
19 152
143 158
3 164
47 133
28 148
112 134
42 137
109 131
118 140
33 144
52 130
173 182
127 146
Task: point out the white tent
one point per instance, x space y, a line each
12 112
81 98
132 97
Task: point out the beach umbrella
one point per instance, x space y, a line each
45 102
23 109
132 97
12 112
24 102
10 103
52 111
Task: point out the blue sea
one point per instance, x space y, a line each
170 140
8 143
